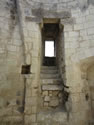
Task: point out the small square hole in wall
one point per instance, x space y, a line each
25 69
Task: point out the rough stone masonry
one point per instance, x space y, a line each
35 90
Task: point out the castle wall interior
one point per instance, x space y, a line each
40 90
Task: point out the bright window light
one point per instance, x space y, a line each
49 48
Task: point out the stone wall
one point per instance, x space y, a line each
20 44
52 96
60 54
78 40
11 59
90 74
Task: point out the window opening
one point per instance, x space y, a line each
49 49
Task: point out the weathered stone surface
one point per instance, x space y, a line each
46 98
42 13
51 81
59 117
34 109
46 104
54 102
55 93
52 87
45 93
21 42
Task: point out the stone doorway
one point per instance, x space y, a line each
52 73
50 33
52 67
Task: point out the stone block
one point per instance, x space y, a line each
11 48
1 50
45 93
34 92
50 95
33 118
52 87
75 97
31 101
5 111
50 81
27 120
13 119
88 25
46 98
91 10
78 26
17 42
55 93
28 59
60 95
58 118
90 31
34 123
25 32
28 110
68 28
34 109
46 104
28 93
80 20
35 53
54 102
90 18
74 34
92 94
35 65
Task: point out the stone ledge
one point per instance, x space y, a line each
52 87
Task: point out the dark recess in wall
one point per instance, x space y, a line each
26 69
